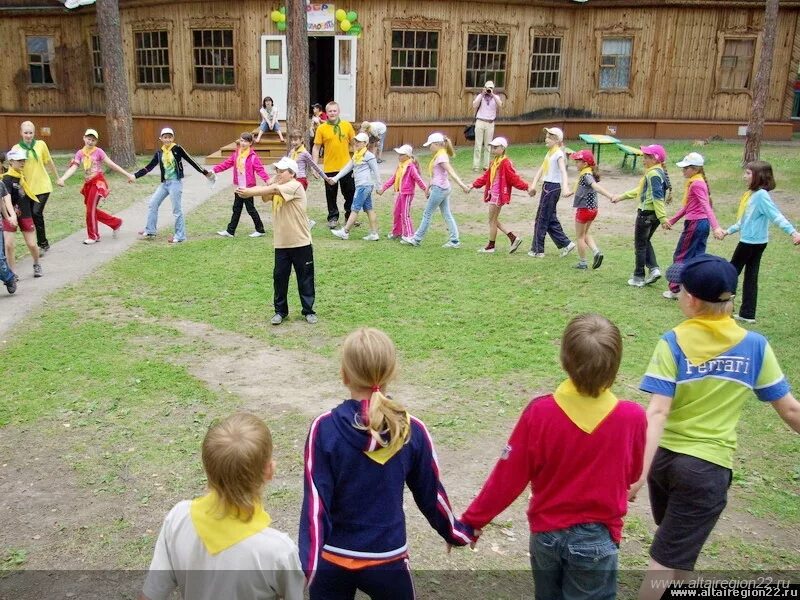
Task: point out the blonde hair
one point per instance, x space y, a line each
713 309
448 146
591 351
369 360
235 453
708 187
365 126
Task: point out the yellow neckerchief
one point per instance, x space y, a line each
743 205
297 151
546 164
493 168
586 412
437 154
219 532
384 453
704 338
400 173
689 182
358 156
587 170
166 155
240 158
86 161
22 182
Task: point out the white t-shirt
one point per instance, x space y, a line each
553 172
265 566
377 128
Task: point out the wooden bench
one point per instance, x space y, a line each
629 151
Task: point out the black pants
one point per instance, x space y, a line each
646 225
302 259
38 220
348 191
748 257
238 201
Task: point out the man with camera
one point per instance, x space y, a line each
485 104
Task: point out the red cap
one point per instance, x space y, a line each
584 155
655 150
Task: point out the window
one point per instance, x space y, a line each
213 57
97 62
415 59
736 65
40 57
615 63
152 58
545 63
486 59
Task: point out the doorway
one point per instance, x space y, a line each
320 69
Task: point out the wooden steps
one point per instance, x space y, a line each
269 150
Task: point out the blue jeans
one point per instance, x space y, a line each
362 200
6 274
174 189
577 563
438 198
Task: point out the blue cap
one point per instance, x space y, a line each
707 277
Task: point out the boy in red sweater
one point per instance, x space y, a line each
579 449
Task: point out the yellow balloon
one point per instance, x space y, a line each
341 15
275 15
281 17
345 25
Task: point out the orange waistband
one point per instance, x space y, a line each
354 564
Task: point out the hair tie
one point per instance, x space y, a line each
376 388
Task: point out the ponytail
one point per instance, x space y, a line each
708 187
387 421
448 146
667 184
595 173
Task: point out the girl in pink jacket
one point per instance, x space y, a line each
246 165
404 180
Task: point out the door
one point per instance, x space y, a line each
275 72
344 75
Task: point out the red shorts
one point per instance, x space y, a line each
303 181
585 215
25 224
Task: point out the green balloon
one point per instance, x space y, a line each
355 29
283 10
352 15
281 26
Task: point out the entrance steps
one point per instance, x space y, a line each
269 150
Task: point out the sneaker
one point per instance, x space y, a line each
333 223
452 244
533 254
16 278
670 295
114 232
743 319
372 237
515 244
410 241
486 250
90 241
171 240
37 270
146 236
391 236
256 234
311 223
655 275
43 250
567 249
582 266
312 319
597 260
341 234
11 286
636 281
276 319
224 233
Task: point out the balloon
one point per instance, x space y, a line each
275 16
281 18
345 25
352 15
340 15
355 29
283 10
281 25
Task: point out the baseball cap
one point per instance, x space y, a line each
584 155
707 277
91 132
434 138
166 130
286 163
489 85
499 141
405 149
693 159
16 154
556 132
655 150
362 137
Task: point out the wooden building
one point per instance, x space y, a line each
652 68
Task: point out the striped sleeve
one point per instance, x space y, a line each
661 372
771 383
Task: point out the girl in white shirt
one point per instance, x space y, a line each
269 119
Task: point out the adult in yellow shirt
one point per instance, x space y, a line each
35 173
335 136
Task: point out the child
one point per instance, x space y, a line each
364 166
498 180
303 158
21 199
553 173
169 159
7 213
247 166
585 205
579 449
377 134
269 119
221 545
438 192
91 159
358 459
756 211
404 179
651 212
291 238
700 375
700 217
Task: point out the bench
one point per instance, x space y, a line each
629 151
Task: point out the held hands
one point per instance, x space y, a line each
615 199
478 533
466 188
244 192
567 194
131 177
796 238
329 180
634 490
719 233
666 226
60 182
379 192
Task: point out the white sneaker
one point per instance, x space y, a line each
371 237
341 234
486 250
743 319
669 295
391 236
256 234
409 241
452 244
90 241
567 249
636 282
311 223
653 276
115 232
533 254
224 234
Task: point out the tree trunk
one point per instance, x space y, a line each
118 106
297 115
755 128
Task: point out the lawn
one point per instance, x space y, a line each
113 383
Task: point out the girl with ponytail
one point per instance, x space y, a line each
358 459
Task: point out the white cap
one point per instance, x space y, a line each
556 132
693 159
405 149
489 85
286 163
166 130
499 141
17 153
434 138
91 132
362 137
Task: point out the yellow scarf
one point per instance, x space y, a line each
493 169
240 158
743 205
586 412
219 532
297 151
86 161
22 182
704 338
584 171
384 453
437 154
166 155
277 202
358 156
546 162
689 182
400 173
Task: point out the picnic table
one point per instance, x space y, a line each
597 142
629 151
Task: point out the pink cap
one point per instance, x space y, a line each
584 155
655 150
